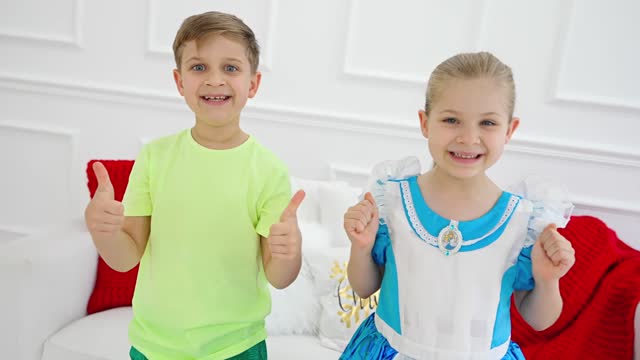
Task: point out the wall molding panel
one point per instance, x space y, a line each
71 137
340 172
476 37
560 95
64 183
312 118
73 39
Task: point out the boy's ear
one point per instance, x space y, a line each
424 119
515 122
255 84
177 77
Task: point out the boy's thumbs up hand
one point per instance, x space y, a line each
104 216
105 188
291 211
285 240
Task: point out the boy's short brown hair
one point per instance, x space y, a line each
201 26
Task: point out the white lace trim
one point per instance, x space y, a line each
433 240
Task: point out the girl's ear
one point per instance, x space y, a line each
424 119
513 125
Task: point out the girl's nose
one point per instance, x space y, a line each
468 136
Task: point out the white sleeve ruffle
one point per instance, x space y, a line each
389 170
550 205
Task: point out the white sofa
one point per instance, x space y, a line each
46 280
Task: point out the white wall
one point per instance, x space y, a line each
342 82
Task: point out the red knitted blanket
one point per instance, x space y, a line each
600 296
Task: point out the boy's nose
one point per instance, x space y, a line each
214 80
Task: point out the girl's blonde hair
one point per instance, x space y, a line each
470 66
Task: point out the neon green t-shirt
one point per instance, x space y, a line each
201 291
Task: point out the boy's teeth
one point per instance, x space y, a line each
465 156
215 97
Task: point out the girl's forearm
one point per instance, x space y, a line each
364 275
542 306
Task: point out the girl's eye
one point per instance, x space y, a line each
450 120
230 68
488 123
198 67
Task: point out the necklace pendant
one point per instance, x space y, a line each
450 239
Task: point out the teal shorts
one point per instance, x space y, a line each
256 352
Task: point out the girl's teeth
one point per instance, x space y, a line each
465 156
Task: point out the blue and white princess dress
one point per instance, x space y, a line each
446 290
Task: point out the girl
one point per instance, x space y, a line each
448 247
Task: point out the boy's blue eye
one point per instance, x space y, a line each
230 68
488 122
450 120
198 67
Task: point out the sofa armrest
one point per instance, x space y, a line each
46 280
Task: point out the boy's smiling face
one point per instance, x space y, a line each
215 79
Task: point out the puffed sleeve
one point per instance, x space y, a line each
550 204
378 181
389 170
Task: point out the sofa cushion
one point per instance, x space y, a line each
98 336
112 288
309 210
294 309
342 311
298 347
103 336
334 200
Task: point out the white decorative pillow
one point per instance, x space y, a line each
314 236
342 311
294 309
309 210
335 198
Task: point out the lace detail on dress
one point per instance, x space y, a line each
433 240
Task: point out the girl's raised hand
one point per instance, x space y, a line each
552 255
361 223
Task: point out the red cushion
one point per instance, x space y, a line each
112 288
597 302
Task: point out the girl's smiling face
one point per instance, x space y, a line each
468 125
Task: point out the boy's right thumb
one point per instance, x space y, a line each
102 175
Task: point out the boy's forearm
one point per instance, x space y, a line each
364 275
282 272
119 252
542 306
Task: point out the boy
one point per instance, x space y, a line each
206 212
